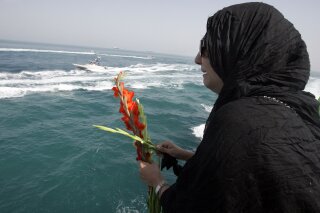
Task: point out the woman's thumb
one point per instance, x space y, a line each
142 164
160 148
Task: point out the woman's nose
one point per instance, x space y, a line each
197 59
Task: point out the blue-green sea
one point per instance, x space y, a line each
51 157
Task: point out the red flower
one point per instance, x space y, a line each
137 123
138 149
126 121
116 91
121 109
134 109
128 94
130 111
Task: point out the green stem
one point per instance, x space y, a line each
122 132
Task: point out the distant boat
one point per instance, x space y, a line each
93 65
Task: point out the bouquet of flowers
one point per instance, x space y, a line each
135 121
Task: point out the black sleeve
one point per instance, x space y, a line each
253 158
167 198
200 186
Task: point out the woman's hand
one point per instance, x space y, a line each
150 173
174 150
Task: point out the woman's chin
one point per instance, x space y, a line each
205 82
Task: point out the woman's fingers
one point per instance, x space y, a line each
142 164
160 148
150 173
165 144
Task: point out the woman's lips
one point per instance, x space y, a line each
204 72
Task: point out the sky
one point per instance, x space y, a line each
166 26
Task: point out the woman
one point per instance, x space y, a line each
261 147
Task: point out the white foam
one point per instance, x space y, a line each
198 131
100 86
160 67
138 86
129 207
10 92
72 52
13 92
313 86
44 51
129 56
140 76
207 108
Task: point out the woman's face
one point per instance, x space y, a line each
210 78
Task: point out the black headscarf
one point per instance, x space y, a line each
257 52
255 156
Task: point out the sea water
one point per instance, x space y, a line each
51 157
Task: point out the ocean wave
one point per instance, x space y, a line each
74 52
198 130
207 108
44 51
128 56
313 86
160 67
130 207
140 76
14 92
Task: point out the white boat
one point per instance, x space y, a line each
92 66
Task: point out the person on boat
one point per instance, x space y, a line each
96 61
260 150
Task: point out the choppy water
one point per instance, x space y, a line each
53 160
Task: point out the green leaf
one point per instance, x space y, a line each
122 132
143 119
106 128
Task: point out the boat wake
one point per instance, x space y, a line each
140 76
44 51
